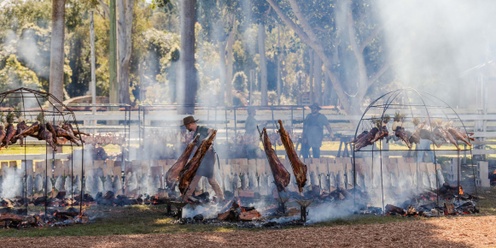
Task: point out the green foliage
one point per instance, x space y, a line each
14 75
17 14
156 45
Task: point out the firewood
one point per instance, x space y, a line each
249 215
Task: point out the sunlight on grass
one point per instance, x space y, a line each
164 221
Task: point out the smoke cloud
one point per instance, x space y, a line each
435 45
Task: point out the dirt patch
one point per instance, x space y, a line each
457 231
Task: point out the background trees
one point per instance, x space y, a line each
257 52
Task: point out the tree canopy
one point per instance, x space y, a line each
337 52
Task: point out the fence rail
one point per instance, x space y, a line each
230 121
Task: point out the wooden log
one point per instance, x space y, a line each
249 215
11 217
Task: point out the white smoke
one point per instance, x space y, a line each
330 211
117 185
107 185
60 183
432 45
12 182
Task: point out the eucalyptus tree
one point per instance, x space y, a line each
125 25
346 37
57 49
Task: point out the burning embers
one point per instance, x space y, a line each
454 202
236 212
51 219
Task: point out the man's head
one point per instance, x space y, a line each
315 107
251 110
190 123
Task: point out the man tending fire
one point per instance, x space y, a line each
206 168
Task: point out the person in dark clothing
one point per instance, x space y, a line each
99 153
251 136
207 165
313 132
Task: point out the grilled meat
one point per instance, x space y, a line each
189 171
428 135
459 135
299 168
51 129
381 134
21 126
10 132
30 131
46 135
360 136
68 126
65 132
366 139
3 133
280 174
172 175
446 136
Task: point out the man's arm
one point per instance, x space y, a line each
328 127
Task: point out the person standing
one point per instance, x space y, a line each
313 132
251 136
207 165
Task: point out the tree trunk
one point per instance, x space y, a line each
125 23
56 86
114 87
188 84
263 64
229 58
317 79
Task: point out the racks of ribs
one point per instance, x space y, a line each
3 133
172 175
381 133
69 128
10 132
189 171
30 131
64 131
299 168
401 133
459 135
365 139
46 135
280 174
21 126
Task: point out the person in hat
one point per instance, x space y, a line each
207 165
313 132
